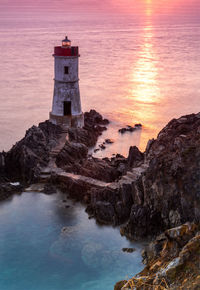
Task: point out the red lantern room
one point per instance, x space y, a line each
66 49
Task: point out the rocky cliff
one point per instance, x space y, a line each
160 188
172 261
24 160
148 193
166 194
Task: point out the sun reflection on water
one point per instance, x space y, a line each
145 90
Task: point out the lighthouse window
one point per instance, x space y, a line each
66 70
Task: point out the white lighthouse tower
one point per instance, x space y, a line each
66 107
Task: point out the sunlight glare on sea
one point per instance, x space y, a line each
139 63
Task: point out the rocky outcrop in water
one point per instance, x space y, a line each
25 159
7 189
161 188
94 125
130 129
166 194
153 191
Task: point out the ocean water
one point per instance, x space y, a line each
139 63
36 254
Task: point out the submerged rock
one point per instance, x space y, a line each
109 141
129 250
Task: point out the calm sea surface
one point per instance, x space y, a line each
139 64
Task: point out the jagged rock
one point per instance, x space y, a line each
92 118
101 169
139 125
142 223
70 153
25 159
172 260
130 128
94 125
8 189
168 191
49 188
104 212
120 284
128 250
102 146
109 141
107 206
134 156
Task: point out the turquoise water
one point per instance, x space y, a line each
35 253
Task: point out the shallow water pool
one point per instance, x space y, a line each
48 244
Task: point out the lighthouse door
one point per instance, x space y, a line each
67 108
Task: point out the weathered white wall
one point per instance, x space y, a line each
66 92
66 86
60 63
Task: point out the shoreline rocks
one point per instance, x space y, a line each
25 159
7 189
94 125
130 129
151 192
172 261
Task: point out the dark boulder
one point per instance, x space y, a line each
25 159
94 125
8 189
134 156
71 153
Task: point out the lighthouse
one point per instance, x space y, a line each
66 107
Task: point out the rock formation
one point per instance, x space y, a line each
166 194
172 261
151 191
160 188
24 160
94 125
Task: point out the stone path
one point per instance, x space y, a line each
46 172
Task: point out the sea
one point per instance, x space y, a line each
139 63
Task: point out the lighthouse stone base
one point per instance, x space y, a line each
76 121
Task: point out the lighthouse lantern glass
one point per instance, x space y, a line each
66 42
